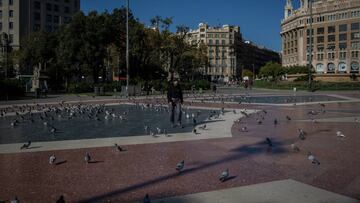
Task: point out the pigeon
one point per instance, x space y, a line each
61 199
302 134
146 128
194 121
146 199
87 158
194 131
180 166
288 118
202 127
53 130
258 121
234 111
313 159
52 159
340 134
295 148
26 146
158 130
15 200
275 121
244 129
264 111
269 142
118 148
224 175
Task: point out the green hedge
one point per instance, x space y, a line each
301 85
82 87
11 89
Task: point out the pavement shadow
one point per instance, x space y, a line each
61 162
242 152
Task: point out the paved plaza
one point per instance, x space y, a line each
236 140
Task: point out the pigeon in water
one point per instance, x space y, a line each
87 158
302 134
26 146
313 159
295 148
269 142
275 121
146 199
52 159
180 166
118 148
224 175
340 134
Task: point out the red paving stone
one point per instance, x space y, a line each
150 168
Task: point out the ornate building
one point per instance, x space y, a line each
335 36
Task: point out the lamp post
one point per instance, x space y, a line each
310 45
127 48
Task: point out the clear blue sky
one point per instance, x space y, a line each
259 20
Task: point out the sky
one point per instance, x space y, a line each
259 20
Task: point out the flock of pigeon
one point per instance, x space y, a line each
48 113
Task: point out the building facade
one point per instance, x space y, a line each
18 18
335 36
220 42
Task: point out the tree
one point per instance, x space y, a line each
273 70
247 73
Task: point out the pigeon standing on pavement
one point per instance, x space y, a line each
288 118
118 148
224 175
302 134
87 158
61 199
52 159
275 121
269 142
295 148
146 199
340 134
26 146
180 166
313 159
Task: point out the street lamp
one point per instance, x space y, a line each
127 48
310 44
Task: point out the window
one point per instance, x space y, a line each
48 28
342 46
11 25
320 57
331 29
223 35
37 16
320 48
216 35
210 41
36 27
56 19
56 8
331 55
201 30
223 42
355 45
355 54
67 10
37 5
331 38
342 37
209 35
355 35
11 13
11 2
342 55
354 67
320 31
202 35
355 26
331 68
0 13
343 28
308 40
308 32
48 18
11 38
48 7
320 39
0 2
0 26
217 42
331 47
